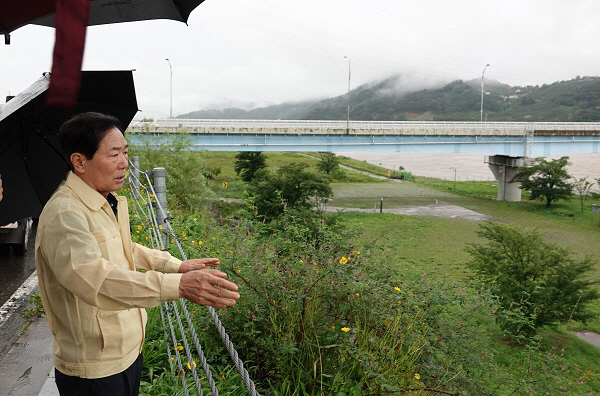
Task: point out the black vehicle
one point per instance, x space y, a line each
16 235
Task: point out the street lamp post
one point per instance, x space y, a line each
171 71
348 96
482 74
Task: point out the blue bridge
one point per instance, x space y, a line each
519 139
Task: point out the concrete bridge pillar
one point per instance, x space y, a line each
507 170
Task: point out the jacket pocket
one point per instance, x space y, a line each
109 243
121 332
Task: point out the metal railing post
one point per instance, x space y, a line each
136 174
160 189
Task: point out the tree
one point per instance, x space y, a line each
548 180
537 283
290 187
247 163
583 187
329 164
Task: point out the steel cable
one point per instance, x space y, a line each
151 218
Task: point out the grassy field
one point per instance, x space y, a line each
394 194
435 248
436 245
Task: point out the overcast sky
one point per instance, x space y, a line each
271 51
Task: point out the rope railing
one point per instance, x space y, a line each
170 313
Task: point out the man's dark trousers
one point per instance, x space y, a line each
125 383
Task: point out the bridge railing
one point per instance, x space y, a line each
375 127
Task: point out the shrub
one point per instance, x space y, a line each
401 175
316 315
536 283
187 184
291 187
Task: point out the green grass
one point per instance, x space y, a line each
363 166
429 245
395 195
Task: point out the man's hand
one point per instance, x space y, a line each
208 287
198 264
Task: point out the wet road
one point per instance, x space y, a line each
15 269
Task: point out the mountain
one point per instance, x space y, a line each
284 111
387 100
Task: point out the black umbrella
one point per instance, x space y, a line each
17 13
70 19
32 164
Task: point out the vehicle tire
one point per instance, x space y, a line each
21 248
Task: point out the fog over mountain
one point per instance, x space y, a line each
397 98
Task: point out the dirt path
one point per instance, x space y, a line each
592 338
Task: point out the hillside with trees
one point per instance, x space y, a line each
576 100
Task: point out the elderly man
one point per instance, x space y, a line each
87 265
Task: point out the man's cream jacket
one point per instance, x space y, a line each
92 292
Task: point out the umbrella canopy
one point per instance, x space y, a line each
17 13
70 17
32 164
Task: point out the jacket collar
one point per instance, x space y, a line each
90 197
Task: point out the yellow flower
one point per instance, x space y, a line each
193 242
199 242
193 362
195 219
345 329
417 376
343 260
160 227
140 227
397 288
357 294
135 215
178 348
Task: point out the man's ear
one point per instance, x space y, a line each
78 161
